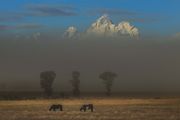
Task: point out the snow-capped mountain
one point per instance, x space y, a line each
105 27
124 28
71 32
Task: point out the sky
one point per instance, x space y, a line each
151 17
31 42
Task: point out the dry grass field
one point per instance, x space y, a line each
105 109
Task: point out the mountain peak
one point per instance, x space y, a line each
104 19
126 29
71 32
103 26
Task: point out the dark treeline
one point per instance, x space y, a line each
47 78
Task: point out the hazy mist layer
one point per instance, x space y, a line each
141 65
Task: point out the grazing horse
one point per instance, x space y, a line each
56 107
87 106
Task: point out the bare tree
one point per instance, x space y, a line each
75 83
108 78
47 78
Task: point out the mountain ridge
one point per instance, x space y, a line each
104 27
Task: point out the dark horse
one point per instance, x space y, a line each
87 107
56 107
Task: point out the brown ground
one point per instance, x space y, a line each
105 109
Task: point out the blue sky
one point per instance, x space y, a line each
150 16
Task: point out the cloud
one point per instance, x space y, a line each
37 10
114 12
48 10
21 26
111 12
128 15
4 27
10 16
29 26
142 20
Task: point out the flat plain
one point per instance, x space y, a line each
105 109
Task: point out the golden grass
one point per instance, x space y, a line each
105 109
